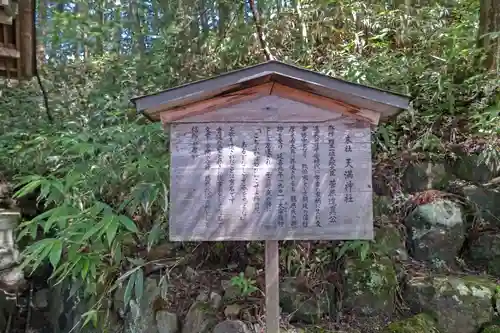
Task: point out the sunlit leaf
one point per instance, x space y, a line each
139 284
55 253
128 223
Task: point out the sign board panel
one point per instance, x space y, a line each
270 181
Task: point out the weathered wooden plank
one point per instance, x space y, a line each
4 18
270 181
326 103
9 52
265 109
215 103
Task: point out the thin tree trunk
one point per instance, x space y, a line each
100 19
135 23
118 29
260 31
42 30
489 23
303 27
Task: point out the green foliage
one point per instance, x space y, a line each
100 173
359 247
245 285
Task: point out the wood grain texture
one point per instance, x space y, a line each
265 109
241 181
272 270
326 103
215 103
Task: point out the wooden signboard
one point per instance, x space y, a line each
271 152
271 181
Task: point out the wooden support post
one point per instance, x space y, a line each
272 287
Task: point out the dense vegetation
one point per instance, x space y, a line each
100 172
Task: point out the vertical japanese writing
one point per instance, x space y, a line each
194 141
220 180
305 179
268 146
317 177
243 187
332 184
207 189
281 179
304 140
256 165
348 173
268 204
280 136
232 162
244 192
293 184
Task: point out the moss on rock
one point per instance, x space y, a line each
303 306
436 232
491 329
371 285
484 252
459 304
421 323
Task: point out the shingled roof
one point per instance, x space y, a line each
360 96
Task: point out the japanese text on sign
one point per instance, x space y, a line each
237 181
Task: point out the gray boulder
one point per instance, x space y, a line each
370 285
436 232
460 304
484 253
200 318
304 306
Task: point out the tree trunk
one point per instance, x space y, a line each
118 29
303 27
42 30
489 25
135 24
100 18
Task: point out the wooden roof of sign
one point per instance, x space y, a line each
17 39
272 78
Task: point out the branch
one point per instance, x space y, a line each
260 31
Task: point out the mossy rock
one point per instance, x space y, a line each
484 252
491 329
382 205
426 176
305 307
370 285
201 318
486 201
390 241
436 232
471 167
421 323
459 304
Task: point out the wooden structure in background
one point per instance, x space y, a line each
17 39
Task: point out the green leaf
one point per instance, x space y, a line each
55 253
28 188
111 230
117 255
154 235
90 316
127 296
85 268
139 284
128 223
98 227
